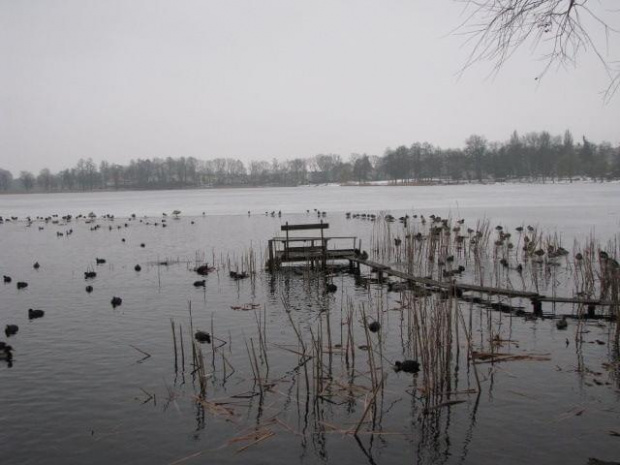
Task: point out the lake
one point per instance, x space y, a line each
291 370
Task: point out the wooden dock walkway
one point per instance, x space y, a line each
458 288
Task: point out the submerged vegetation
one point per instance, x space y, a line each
534 156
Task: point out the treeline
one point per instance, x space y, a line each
537 156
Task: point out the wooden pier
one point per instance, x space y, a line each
457 289
313 250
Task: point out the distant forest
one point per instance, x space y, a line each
536 156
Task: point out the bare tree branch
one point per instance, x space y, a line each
496 29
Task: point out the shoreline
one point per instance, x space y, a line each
383 183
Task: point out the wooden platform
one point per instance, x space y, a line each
313 250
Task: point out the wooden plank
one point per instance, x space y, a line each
374 265
428 282
498 291
307 253
575 300
301 227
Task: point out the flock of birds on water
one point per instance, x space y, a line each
409 366
6 350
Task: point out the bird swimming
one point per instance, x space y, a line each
32 314
408 366
562 323
202 336
11 330
374 326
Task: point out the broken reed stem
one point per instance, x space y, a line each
202 379
371 403
262 343
191 332
182 348
260 381
174 341
213 349
469 348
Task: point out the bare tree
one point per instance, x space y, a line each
562 29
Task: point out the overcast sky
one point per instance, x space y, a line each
121 79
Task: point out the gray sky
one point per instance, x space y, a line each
121 79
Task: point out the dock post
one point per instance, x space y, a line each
271 255
323 248
591 310
537 307
286 244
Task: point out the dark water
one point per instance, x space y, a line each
80 386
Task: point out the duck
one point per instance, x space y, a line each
331 288
200 283
202 336
7 279
22 285
374 326
89 274
237 275
137 268
408 366
33 314
100 261
36 265
562 323
11 330
204 270
116 301
89 289
6 352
